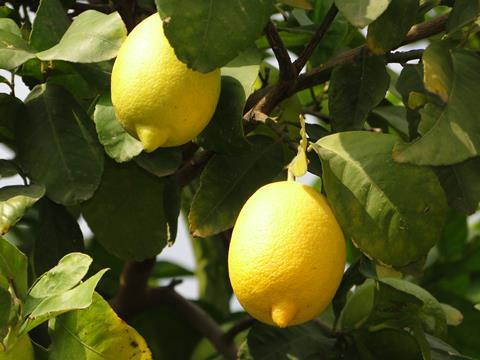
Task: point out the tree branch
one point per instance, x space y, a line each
241 325
287 70
404 56
319 34
192 168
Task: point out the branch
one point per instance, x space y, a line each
287 70
192 168
243 324
404 56
319 34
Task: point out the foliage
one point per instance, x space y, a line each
396 151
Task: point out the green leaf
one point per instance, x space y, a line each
208 34
161 162
228 181
438 69
443 351
463 13
383 216
6 303
296 342
300 4
245 68
359 306
127 212
14 51
355 89
80 297
80 335
167 269
451 245
461 183
361 12
396 117
70 270
453 316
51 22
118 144
57 145
11 109
14 267
92 37
7 168
171 206
390 28
224 133
10 26
15 201
449 134
57 234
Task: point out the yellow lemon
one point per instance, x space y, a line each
156 97
287 254
21 350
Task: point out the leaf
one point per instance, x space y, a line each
442 350
450 133
79 335
453 316
438 69
385 218
92 37
161 162
6 303
15 201
463 13
166 269
224 132
127 212
14 267
70 270
14 51
11 109
396 117
208 34
461 183
171 206
118 144
355 89
57 234
360 13
295 342
50 23
245 68
358 306
80 297
9 25
389 30
451 245
228 181
300 4
57 145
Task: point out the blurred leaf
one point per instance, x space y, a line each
451 135
15 201
118 144
454 236
443 351
224 133
396 117
300 4
57 145
245 68
127 213
14 51
79 335
14 266
461 183
386 220
227 28
161 162
49 25
57 234
167 269
295 342
390 28
80 297
228 181
92 37
355 89
463 13
361 12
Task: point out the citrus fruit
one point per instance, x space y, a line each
287 254
156 97
21 350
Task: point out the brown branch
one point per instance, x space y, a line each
237 328
287 70
404 56
192 168
317 37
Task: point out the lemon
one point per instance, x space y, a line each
21 350
287 254
156 97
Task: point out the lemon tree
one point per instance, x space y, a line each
320 157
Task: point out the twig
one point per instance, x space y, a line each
241 325
287 70
404 56
317 37
192 168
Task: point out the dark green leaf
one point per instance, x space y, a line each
228 181
11 109
224 133
7 168
464 12
13 267
15 201
80 335
51 22
167 269
355 89
449 134
118 144
14 51
245 68
171 203
161 162
454 236
443 351
217 31
396 117
127 212
58 147
6 303
57 234
390 28
461 183
384 217
92 37
362 12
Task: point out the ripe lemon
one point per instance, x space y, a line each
287 254
21 350
156 97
